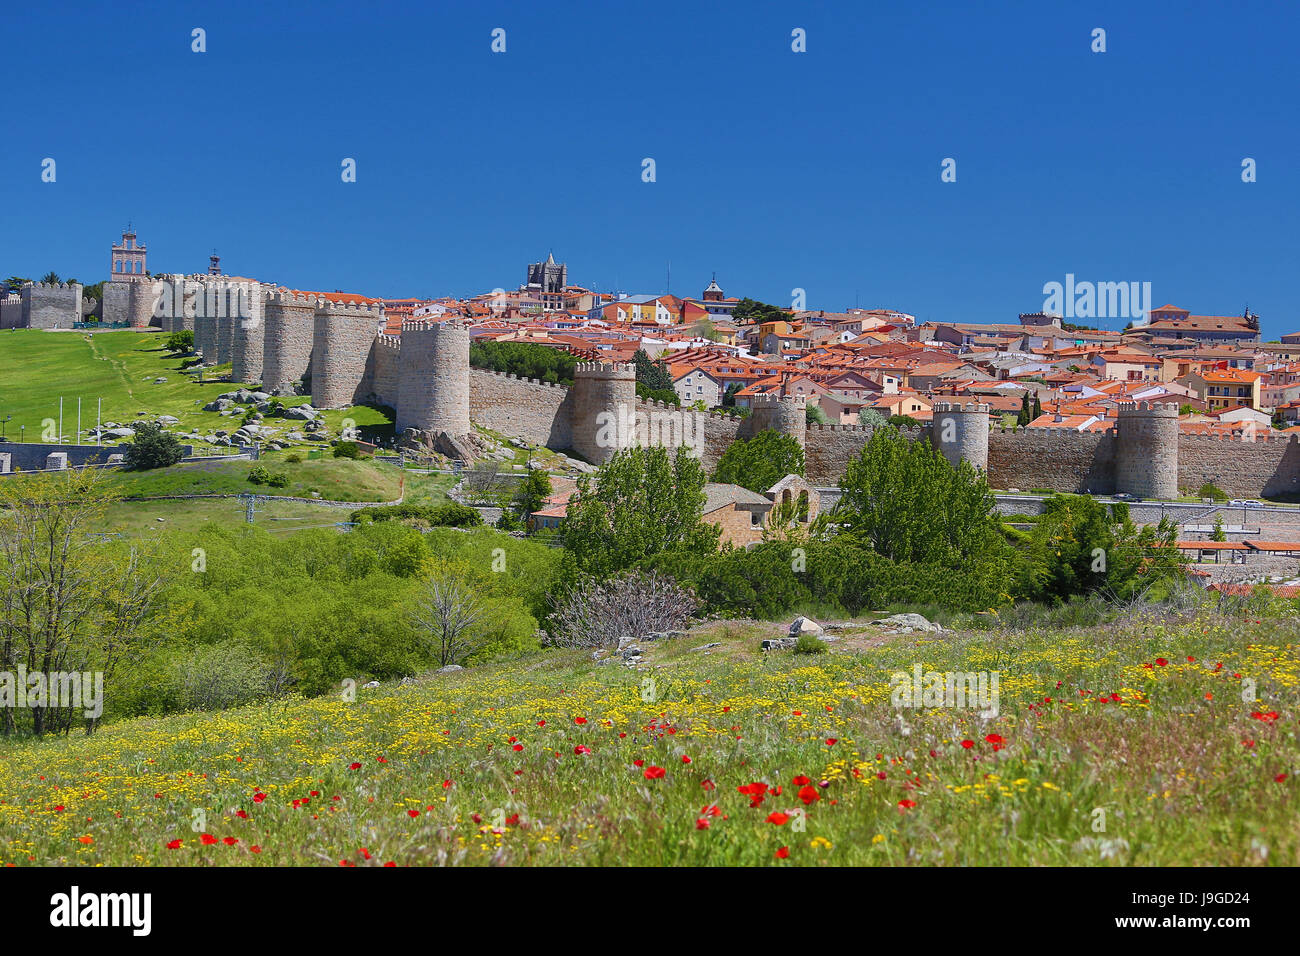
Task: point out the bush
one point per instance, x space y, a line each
633 604
450 515
261 475
153 447
1211 490
347 449
810 644
182 341
294 458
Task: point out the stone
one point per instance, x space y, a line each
159 381
907 623
218 405
778 643
373 684
118 433
805 625
630 652
304 413
167 420
449 669
407 681
705 647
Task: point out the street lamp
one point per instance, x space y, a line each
2 426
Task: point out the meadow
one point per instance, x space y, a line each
1144 741
119 367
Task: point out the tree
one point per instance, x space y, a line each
182 341
654 375
1219 534
1026 413
705 330
641 502
813 415
15 283
749 311
760 462
729 396
524 359
153 447
446 612
69 603
533 492
633 604
910 504
871 418
51 278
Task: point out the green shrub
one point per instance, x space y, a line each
810 644
261 475
293 458
347 449
1211 490
450 515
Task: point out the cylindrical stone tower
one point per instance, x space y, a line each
784 414
290 322
604 409
205 331
250 333
344 336
1146 452
433 390
961 432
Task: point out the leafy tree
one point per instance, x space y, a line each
153 447
749 310
533 492
704 328
51 278
525 359
760 462
903 421
347 449
668 396
729 395
1026 413
910 504
182 341
814 415
872 418
641 502
15 283
1219 533
654 375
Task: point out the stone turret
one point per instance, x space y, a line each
1146 450
433 388
961 432
343 337
785 414
290 322
249 340
604 409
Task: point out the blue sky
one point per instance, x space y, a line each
817 170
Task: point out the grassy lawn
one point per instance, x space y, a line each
141 518
119 367
1141 742
337 479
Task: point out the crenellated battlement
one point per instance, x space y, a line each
53 286
618 369
427 325
1149 409
773 400
350 310
290 300
955 408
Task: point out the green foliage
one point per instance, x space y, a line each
347 449
729 396
814 415
449 515
182 341
668 396
760 462
1211 490
905 500
1219 534
261 475
152 447
524 359
749 311
533 492
872 418
640 503
654 375
810 644
904 421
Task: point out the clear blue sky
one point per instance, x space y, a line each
818 170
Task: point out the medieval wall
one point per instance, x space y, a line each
1057 458
51 306
536 412
1243 469
385 369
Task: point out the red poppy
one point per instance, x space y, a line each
881 775
581 749
207 839
907 804
242 814
996 740
354 766
968 744
654 773
702 823
1161 662
638 763
259 797
412 813
800 781
254 849
579 720
230 841
782 853
174 845
708 784
1279 778
778 818
832 741
809 795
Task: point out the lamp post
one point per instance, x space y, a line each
2 426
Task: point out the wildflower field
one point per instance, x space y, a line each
1135 743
